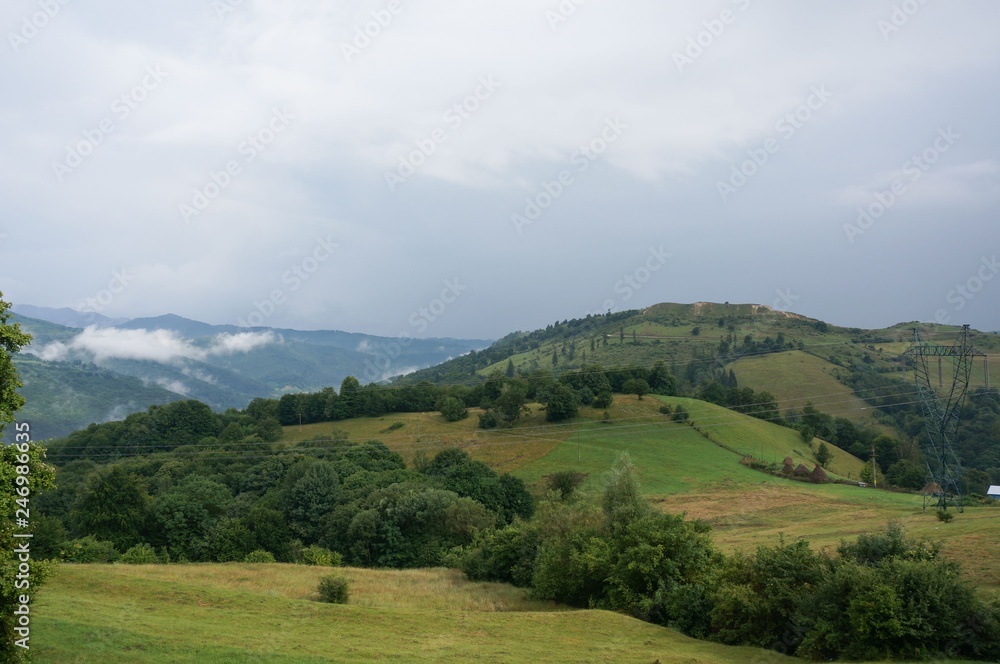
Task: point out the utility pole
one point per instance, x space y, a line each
874 469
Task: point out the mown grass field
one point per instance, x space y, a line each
236 613
796 378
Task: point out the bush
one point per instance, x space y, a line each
322 557
453 409
680 414
603 400
665 409
140 554
89 550
566 482
333 589
259 556
506 555
945 516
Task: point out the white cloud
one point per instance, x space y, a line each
175 386
164 346
242 342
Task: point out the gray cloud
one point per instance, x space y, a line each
224 77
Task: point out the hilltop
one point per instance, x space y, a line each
794 357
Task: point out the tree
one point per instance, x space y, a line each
623 501
868 473
113 506
561 403
12 339
510 369
636 386
453 409
603 400
22 476
823 454
311 497
566 482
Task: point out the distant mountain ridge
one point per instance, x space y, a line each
66 316
100 368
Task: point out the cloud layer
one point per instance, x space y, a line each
102 344
202 161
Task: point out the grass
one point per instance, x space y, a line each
790 375
247 613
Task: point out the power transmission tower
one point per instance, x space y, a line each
942 409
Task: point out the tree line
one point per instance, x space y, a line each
882 596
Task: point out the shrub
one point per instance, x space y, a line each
320 556
665 409
259 556
680 414
945 516
506 555
604 399
333 589
89 549
140 554
566 482
453 409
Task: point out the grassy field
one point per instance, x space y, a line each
790 375
268 613
264 613
684 471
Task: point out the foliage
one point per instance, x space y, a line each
259 556
23 475
603 400
333 589
623 501
823 454
561 403
566 482
636 386
321 556
944 516
113 506
453 409
140 554
89 549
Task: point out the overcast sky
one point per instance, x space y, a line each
463 168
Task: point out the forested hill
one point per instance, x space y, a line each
854 375
694 340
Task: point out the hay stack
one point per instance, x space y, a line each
818 475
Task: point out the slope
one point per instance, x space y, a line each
249 613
